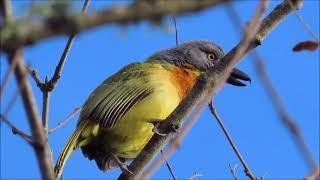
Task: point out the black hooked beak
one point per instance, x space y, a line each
237 74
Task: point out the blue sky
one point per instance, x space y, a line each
247 112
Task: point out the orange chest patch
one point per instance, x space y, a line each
184 80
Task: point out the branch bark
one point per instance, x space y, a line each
26 32
41 146
285 118
206 83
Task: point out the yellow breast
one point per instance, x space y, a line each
133 131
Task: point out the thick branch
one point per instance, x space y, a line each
206 82
25 32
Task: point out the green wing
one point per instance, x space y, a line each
117 95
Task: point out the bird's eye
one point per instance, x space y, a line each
211 57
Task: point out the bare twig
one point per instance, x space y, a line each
304 24
168 165
176 30
57 73
6 78
41 147
234 147
50 84
278 104
34 74
11 103
45 107
75 23
15 130
206 82
285 117
60 124
233 171
39 142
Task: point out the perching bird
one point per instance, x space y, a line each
114 123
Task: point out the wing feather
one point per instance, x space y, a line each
117 95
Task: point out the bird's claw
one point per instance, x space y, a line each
156 124
155 130
124 168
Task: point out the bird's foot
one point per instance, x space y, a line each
124 168
156 124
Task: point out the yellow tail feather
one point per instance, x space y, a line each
69 147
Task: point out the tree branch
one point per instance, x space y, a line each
206 83
39 142
234 147
60 124
168 165
25 32
275 98
41 146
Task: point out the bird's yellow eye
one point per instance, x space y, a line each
211 57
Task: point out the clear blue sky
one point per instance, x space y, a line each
247 112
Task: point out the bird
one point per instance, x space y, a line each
115 122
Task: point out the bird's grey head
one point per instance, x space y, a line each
198 54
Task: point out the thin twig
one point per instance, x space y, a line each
6 78
16 131
11 103
60 124
285 117
57 73
176 30
278 104
45 107
205 82
168 165
50 84
304 23
34 74
233 171
234 147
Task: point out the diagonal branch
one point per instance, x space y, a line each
285 117
234 147
12 37
206 83
60 124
